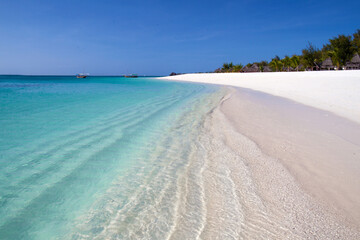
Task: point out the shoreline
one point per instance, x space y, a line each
284 168
333 91
269 196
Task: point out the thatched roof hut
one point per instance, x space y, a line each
253 68
245 69
354 63
327 64
267 69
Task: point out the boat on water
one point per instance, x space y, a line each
131 76
81 75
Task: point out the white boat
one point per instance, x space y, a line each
81 75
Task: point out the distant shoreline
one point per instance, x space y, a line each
72 75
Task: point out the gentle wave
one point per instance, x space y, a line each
86 164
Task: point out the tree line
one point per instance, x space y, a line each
339 49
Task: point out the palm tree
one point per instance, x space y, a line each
335 57
227 67
343 48
356 40
238 67
295 62
262 64
276 64
231 66
311 56
286 62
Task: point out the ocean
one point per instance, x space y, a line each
99 158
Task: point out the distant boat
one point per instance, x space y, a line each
81 75
131 76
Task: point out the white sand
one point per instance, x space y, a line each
276 169
334 91
266 174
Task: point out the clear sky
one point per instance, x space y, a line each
112 37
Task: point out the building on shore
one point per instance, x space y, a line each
313 68
300 67
245 69
327 64
354 63
267 69
252 68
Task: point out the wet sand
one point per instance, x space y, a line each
277 169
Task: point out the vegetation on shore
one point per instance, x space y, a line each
340 50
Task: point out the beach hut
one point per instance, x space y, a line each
245 69
267 69
327 64
254 68
288 69
301 67
313 68
354 63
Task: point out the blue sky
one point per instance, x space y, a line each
157 37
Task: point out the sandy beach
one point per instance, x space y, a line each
334 91
282 159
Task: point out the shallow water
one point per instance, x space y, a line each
102 157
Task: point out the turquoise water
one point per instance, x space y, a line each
100 157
